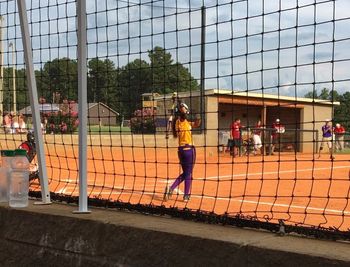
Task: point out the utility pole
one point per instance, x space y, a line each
1 68
12 45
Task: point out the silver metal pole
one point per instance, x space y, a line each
33 94
202 77
12 45
82 99
1 67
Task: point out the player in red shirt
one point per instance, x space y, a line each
236 136
278 129
339 132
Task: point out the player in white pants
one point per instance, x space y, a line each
257 137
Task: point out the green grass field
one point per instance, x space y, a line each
97 129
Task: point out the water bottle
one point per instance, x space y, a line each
3 184
19 180
5 169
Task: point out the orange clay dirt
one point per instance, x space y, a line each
297 188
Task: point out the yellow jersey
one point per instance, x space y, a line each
184 134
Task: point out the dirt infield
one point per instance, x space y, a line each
297 188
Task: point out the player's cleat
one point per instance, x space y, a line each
168 193
186 198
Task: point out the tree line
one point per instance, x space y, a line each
121 88
342 111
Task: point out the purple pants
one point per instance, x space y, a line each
187 156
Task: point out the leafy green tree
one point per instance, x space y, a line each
161 75
119 88
102 82
342 111
58 76
134 79
168 76
42 83
334 95
22 93
161 69
21 89
312 94
324 94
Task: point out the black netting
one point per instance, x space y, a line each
265 86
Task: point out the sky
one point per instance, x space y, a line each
281 47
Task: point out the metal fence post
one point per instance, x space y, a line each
202 70
1 66
82 99
33 95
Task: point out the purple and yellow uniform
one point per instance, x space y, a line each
327 134
183 128
186 153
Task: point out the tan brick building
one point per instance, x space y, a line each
302 117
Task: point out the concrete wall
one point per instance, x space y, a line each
313 118
211 126
53 236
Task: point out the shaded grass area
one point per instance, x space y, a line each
344 151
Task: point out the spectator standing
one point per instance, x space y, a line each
236 137
22 127
339 132
277 130
43 129
15 125
44 124
7 122
257 137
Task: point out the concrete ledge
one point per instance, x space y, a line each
53 236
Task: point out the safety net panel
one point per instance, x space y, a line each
233 112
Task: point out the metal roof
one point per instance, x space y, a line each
47 107
223 92
42 108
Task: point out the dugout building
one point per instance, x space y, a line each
302 117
